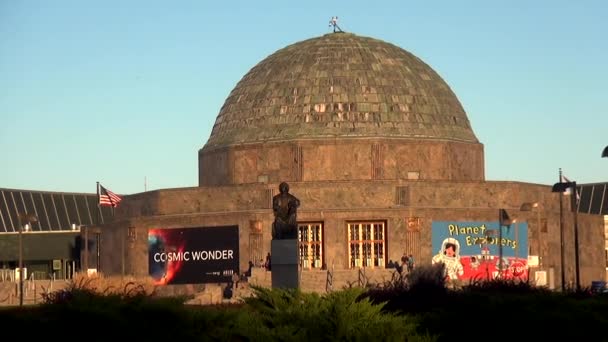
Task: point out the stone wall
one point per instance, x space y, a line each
336 203
341 159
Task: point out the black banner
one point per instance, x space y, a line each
193 255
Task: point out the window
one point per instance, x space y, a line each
256 254
413 175
543 225
403 195
366 244
310 245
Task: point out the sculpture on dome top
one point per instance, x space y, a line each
334 22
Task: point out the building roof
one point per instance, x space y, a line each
593 198
340 85
55 210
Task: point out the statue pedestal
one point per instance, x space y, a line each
284 263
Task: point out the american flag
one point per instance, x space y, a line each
568 191
107 197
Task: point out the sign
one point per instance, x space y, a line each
193 255
470 250
56 265
540 278
533 261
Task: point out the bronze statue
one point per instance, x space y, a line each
285 206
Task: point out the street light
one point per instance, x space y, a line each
29 218
529 206
503 220
561 187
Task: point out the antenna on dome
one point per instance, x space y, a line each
334 23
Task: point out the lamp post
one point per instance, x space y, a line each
485 251
28 218
529 206
561 187
503 220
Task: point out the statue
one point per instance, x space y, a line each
285 206
334 22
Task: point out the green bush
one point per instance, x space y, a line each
81 311
427 279
271 315
509 316
499 309
417 309
290 315
420 290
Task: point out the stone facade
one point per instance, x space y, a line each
336 203
340 107
363 131
343 159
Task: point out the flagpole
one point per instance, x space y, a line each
106 198
98 239
561 235
574 204
98 203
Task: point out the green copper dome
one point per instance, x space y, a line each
340 85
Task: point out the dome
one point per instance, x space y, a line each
340 85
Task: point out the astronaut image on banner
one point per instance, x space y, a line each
449 256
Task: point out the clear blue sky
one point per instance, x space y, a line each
115 91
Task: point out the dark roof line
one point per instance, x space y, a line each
56 211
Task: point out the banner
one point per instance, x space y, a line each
470 250
193 255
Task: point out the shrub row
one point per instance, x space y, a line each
416 307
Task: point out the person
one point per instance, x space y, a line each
235 280
285 207
410 263
398 267
474 263
249 270
268 264
404 261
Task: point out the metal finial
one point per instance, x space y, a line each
334 23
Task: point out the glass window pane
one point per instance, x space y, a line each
50 210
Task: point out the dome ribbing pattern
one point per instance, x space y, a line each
340 85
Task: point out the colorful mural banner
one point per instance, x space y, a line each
193 255
470 250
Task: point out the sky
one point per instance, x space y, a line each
125 93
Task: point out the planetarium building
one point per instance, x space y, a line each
385 162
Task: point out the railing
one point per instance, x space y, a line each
362 280
7 274
10 275
329 281
9 299
34 286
